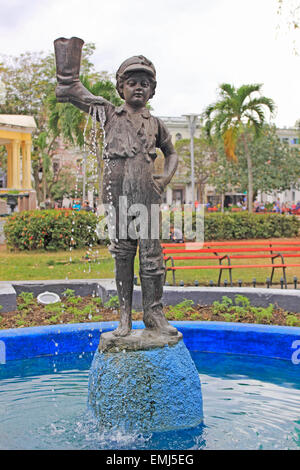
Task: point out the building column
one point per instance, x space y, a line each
16 183
26 164
9 165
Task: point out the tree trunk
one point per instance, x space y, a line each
250 174
201 188
222 202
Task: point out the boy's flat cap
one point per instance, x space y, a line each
136 63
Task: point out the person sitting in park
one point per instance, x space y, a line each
176 235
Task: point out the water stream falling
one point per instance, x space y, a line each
92 166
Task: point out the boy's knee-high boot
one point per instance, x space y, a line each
124 282
152 291
68 57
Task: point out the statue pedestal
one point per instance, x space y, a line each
144 382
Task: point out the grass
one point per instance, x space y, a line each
98 264
15 266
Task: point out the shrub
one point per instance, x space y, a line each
243 225
50 230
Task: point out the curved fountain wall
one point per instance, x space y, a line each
281 342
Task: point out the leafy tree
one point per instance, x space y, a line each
225 175
61 183
276 165
232 115
30 81
205 158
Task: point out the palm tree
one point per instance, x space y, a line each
235 114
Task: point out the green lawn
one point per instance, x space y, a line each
35 265
55 265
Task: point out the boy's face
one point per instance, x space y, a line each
137 89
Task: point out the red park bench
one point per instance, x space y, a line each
225 252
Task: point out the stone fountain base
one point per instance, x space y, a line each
144 382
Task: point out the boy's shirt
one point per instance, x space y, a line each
124 138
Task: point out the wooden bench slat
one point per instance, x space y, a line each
241 266
230 250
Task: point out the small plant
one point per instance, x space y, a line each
180 310
68 293
54 319
113 302
74 300
20 320
263 314
292 320
195 316
97 318
221 307
75 311
178 315
27 298
242 301
231 317
54 308
97 301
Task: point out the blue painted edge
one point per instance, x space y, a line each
217 337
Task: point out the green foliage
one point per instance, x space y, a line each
68 293
51 230
230 317
263 314
276 165
292 320
237 111
205 157
57 308
238 225
179 311
97 301
222 307
27 298
113 302
235 310
30 81
195 316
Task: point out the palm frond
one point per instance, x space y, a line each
244 91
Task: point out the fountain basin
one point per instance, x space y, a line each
250 399
279 342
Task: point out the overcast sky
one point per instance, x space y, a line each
195 45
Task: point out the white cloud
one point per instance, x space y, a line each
195 45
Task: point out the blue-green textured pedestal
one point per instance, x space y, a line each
146 390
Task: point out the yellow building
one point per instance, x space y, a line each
15 135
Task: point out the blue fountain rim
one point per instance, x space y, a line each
247 339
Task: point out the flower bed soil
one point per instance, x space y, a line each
89 309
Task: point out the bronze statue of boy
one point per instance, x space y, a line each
132 134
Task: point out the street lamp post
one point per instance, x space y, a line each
192 122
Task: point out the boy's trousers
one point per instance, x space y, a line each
134 219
